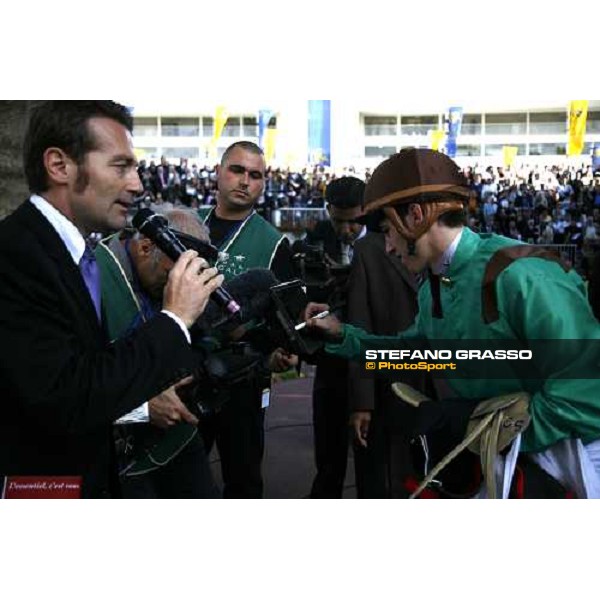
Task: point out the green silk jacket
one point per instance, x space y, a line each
537 300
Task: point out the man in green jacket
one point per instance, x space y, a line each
245 241
164 453
487 287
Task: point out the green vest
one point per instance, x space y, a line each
119 303
120 309
252 246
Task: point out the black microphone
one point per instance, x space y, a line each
156 228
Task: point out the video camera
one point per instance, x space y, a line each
325 279
233 351
219 372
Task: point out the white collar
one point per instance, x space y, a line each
442 265
361 235
68 233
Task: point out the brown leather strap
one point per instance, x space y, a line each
432 211
499 261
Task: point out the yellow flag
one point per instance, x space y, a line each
221 117
509 154
270 138
577 118
437 135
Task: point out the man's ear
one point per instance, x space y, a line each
144 247
416 212
58 165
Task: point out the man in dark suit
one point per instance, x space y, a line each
382 299
61 385
336 236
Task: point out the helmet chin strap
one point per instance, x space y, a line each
431 213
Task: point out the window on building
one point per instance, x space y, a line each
381 125
418 125
145 126
426 144
379 151
207 127
180 126
147 154
174 154
471 125
249 127
468 150
593 122
498 149
588 148
547 122
232 127
544 149
506 123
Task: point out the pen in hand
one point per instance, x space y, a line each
320 315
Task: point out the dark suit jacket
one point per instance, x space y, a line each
61 387
382 299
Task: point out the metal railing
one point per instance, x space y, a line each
567 252
296 219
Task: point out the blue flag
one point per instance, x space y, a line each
319 132
454 122
264 116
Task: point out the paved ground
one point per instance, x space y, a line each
288 466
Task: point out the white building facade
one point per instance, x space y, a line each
365 133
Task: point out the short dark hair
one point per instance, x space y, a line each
453 218
64 124
244 145
345 192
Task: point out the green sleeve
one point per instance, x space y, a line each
353 337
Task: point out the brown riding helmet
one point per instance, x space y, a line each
416 175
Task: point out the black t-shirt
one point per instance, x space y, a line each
221 230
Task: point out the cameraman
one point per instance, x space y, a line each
133 273
336 237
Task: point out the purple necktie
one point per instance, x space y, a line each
91 275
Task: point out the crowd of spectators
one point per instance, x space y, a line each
194 185
537 204
551 205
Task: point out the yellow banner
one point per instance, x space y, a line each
221 117
270 138
577 119
437 136
509 153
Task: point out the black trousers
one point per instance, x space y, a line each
187 475
331 435
381 468
238 431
